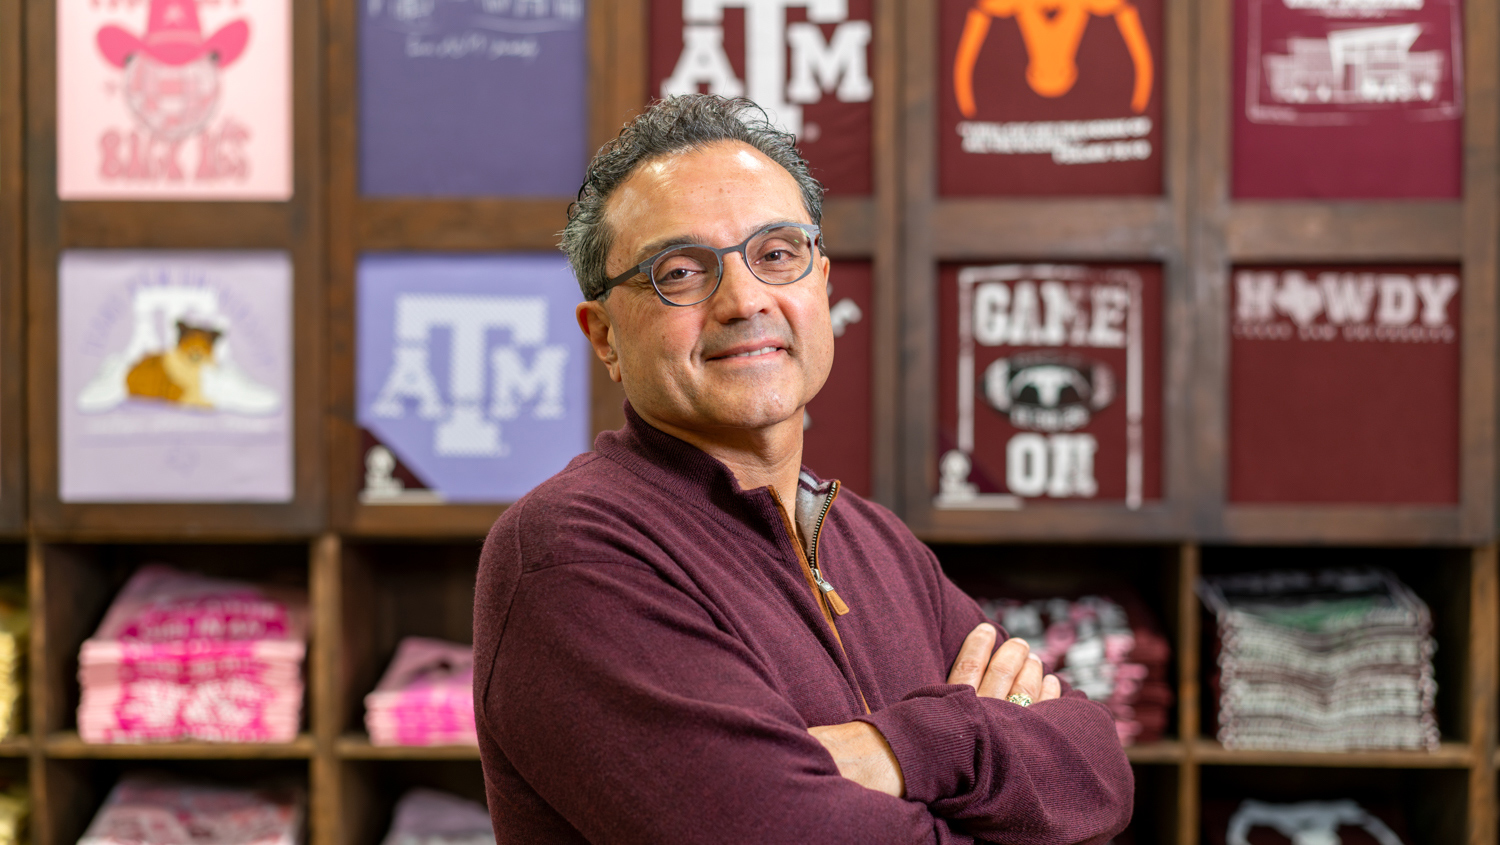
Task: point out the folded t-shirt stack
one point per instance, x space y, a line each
14 627
426 696
429 817
1331 660
1108 647
15 807
154 809
184 656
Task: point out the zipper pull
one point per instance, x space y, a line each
837 603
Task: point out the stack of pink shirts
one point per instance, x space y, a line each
152 809
426 696
184 656
1108 647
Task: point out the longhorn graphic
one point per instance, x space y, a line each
1052 30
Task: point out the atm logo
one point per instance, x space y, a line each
465 425
1052 31
837 65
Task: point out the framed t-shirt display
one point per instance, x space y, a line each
472 97
175 376
1344 385
1335 99
174 99
808 63
1050 381
1050 97
472 376
837 436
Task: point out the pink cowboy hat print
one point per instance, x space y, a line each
174 37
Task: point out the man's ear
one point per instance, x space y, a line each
594 320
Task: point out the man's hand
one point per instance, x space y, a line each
863 756
1011 670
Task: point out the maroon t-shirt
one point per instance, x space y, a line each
649 655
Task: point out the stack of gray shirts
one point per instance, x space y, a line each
1333 660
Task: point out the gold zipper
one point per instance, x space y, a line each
823 592
834 600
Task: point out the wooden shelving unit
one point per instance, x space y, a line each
376 573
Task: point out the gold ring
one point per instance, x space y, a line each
1020 698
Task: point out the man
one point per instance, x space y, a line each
662 655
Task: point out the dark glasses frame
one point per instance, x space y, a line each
814 232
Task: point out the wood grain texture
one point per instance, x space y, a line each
1482 690
356 746
1450 755
12 278
325 596
1208 248
1339 524
1479 472
1345 231
887 252
66 745
1068 229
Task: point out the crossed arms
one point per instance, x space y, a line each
652 720
863 755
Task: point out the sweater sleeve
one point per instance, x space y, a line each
1051 773
615 696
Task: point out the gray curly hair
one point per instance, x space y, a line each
685 122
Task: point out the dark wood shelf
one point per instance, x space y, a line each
1165 752
1068 229
358 747
412 522
1342 524
1047 523
1449 755
1345 231
68 745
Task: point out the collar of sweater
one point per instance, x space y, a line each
691 473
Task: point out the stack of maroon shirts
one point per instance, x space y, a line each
1331 660
154 809
425 697
1108 647
184 656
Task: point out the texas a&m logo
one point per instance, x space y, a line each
524 375
787 65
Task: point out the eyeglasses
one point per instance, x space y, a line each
779 254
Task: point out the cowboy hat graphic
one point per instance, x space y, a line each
174 37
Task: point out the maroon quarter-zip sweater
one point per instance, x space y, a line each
651 647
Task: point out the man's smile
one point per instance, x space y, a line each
755 349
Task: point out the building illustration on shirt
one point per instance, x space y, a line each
1366 65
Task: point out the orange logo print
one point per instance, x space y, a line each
1052 30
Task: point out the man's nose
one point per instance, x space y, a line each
740 293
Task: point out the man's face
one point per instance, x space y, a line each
752 355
